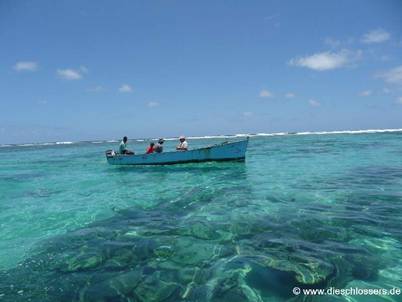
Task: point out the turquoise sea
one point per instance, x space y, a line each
307 211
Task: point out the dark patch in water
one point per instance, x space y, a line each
21 177
172 252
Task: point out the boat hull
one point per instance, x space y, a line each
222 152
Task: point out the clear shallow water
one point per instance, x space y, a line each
311 211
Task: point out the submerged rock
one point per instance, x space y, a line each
234 288
153 288
164 251
125 283
195 252
200 230
364 267
82 262
178 252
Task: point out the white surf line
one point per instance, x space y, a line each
368 131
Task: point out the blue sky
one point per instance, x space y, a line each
78 70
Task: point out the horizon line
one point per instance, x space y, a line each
261 134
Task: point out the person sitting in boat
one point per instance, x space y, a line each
151 148
159 146
123 147
183 145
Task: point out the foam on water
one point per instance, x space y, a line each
349 131
296 133
64 143
217 136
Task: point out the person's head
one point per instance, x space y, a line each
182 138
125 139
161 141
152 144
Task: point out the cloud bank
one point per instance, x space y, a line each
392 76
125 88
265 94
69 74
376 36
26 66
326 60
314 103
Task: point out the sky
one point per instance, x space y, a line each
87 70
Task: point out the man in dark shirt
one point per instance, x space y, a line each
159 146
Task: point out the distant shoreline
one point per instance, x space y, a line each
367 131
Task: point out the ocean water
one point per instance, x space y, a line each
307 211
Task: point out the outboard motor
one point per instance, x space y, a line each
110 153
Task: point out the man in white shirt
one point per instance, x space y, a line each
183 145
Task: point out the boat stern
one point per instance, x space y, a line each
110 156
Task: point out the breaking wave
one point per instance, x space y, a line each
367 131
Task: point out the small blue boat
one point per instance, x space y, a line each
221 152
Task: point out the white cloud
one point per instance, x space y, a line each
326 60
125 88
247 114
271 17
399 100
153 104
392 76
69 74
314 103
365 93
376 36
98 88
335 43
265 94
26 66
290 95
